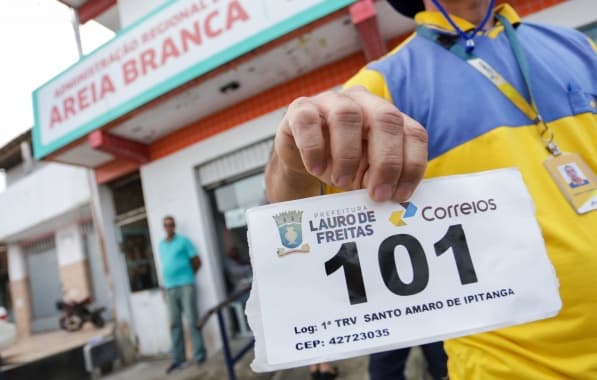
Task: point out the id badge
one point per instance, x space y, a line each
576 181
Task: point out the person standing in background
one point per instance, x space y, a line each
180 262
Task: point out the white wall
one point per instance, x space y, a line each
25 168
13 174
17 267
154 332
131 10
170 186
18 172
46 193
572 14
17 270
69 245
118 280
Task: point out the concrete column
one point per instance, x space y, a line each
119 283
72 263
19 289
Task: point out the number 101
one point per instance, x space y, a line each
348 258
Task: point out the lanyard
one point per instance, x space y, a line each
469 37
449 42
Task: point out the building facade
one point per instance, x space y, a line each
176 114
51 243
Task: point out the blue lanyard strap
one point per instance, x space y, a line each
467 37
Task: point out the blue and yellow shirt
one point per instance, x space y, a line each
175 257
473 127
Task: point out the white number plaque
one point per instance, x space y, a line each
339 275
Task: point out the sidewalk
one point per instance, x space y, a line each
38 346
214 369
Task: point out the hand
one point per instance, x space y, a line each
195 263
353 139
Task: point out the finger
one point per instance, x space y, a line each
303 125
344 122
385 143
415 159
365 181
359 178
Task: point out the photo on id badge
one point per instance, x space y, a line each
573 175
576 180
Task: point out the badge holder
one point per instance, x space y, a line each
575 179
571 173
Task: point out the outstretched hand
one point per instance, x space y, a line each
353 139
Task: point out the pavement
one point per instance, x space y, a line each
214 369
39 346
352 369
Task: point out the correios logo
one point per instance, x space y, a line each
432 213
409 210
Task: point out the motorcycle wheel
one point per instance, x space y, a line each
98 320
71 323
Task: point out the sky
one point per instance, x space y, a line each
36 42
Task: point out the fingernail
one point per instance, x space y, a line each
317 170
405 191
382 193
343 181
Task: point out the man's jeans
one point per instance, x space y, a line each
183 300
390 365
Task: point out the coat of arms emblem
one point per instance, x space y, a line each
291 232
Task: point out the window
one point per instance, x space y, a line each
136 248
133 231
231 201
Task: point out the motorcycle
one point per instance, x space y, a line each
76 313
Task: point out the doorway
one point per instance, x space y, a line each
135 245
147 304
5 298
229 203
44 284
133 233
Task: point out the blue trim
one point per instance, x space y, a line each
176 80
35 132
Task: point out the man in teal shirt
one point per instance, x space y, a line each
180 262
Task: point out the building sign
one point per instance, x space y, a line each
177 42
